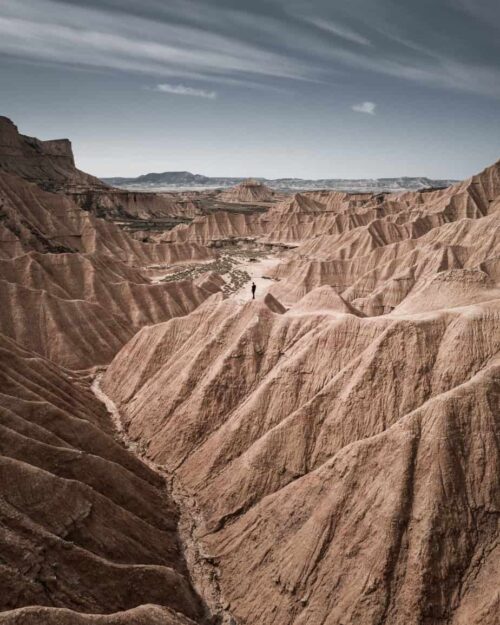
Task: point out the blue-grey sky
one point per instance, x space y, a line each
309 88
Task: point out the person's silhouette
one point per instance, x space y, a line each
253 290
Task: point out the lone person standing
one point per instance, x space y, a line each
253 290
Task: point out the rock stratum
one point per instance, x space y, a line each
51 165
324 455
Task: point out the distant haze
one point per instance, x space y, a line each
184 180
269 88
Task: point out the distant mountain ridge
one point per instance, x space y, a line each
185 179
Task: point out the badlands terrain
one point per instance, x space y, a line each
175 453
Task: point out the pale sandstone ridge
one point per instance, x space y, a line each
342 448
248 191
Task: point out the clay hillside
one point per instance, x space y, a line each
174 452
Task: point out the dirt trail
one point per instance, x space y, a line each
257 271
203 573
238 265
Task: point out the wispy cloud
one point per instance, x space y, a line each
431 61
365 107
264 47
185 91
339 30
40 30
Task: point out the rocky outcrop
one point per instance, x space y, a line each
51 165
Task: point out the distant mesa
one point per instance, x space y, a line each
185 180
248 191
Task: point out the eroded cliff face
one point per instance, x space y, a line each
51 165
342 449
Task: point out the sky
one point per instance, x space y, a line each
272 88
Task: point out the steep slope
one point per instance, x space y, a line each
333 457
85 526
375 255
82 332
81 295
34 219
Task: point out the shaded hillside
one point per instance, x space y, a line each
84 525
